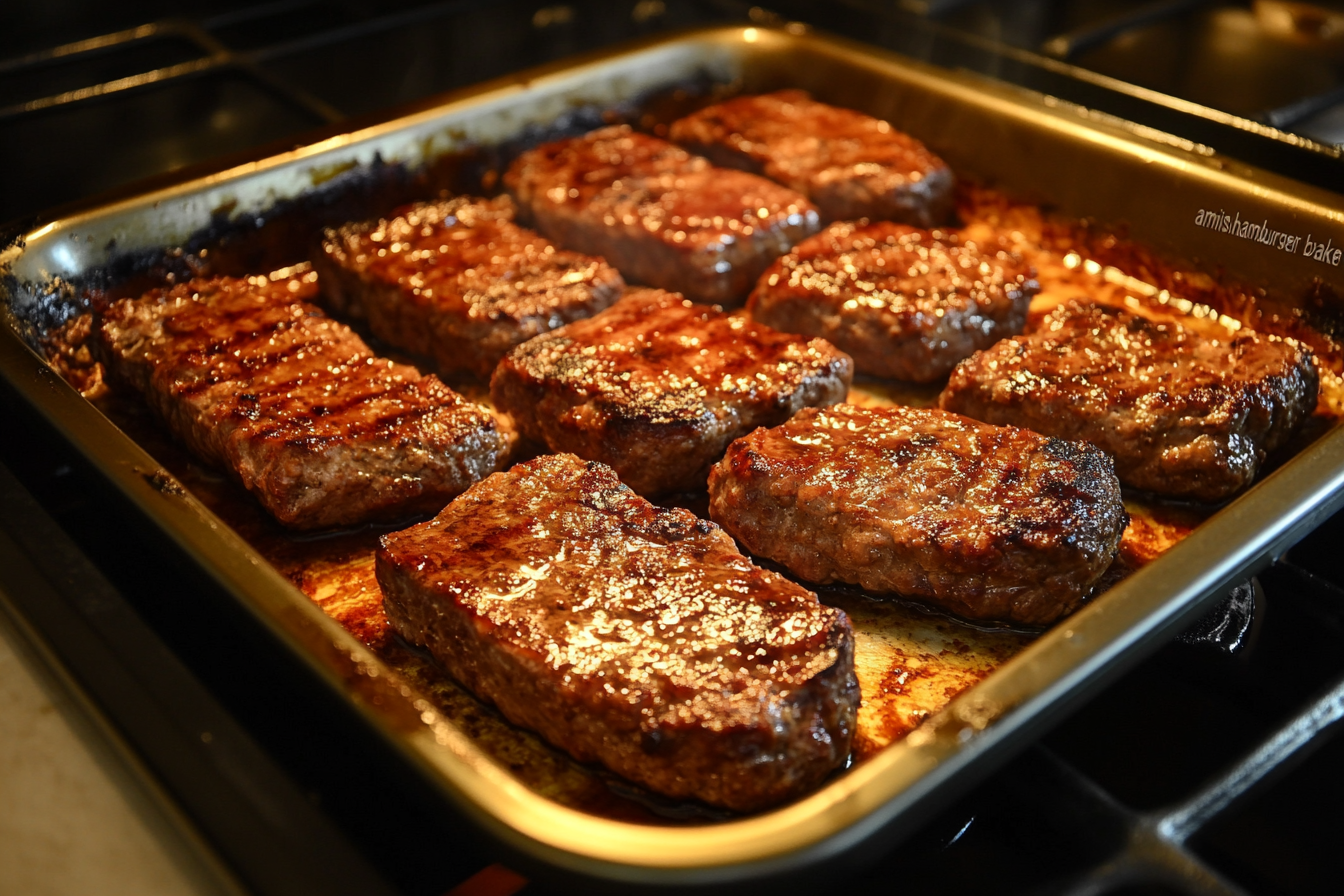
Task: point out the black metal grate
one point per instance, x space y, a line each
1201 772
158 95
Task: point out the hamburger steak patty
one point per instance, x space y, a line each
628 634
662 216
458 281
903 303
294 404
657 387
990 522
1183 415
850 164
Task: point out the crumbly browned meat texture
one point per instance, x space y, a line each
628 634
1183 415
259 382
657 387
458 281
902 302
662 216
990 522
850 164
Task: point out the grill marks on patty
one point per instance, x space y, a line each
295 405
1183 414
989 522
459 281
656 387
662 216
850 164
628 634
904 303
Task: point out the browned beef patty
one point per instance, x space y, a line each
850 164
989 522
259 382
1183 415
628 634
458 281
662 216
657 387
902 302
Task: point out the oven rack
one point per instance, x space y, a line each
242 77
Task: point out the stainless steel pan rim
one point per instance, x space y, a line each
886 793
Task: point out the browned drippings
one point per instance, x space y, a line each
911 662
69 350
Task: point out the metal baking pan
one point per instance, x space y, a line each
1155 187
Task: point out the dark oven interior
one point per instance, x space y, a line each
1212 767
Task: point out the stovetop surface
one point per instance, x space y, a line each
1212 767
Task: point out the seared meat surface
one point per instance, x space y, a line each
459 281
657 387
628 634
902 302
850 164
1183 414
259 382
989 522
662 216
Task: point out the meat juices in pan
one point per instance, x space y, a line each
1184 415
628 634
458 281
662 216
902 302
850 164
989 522
262 384
656 386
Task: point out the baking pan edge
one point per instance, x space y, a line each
884 793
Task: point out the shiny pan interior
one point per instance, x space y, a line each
1152 185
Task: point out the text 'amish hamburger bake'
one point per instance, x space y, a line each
294 405
1182 414
656 387
458 281
628 634
662 216
990 522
